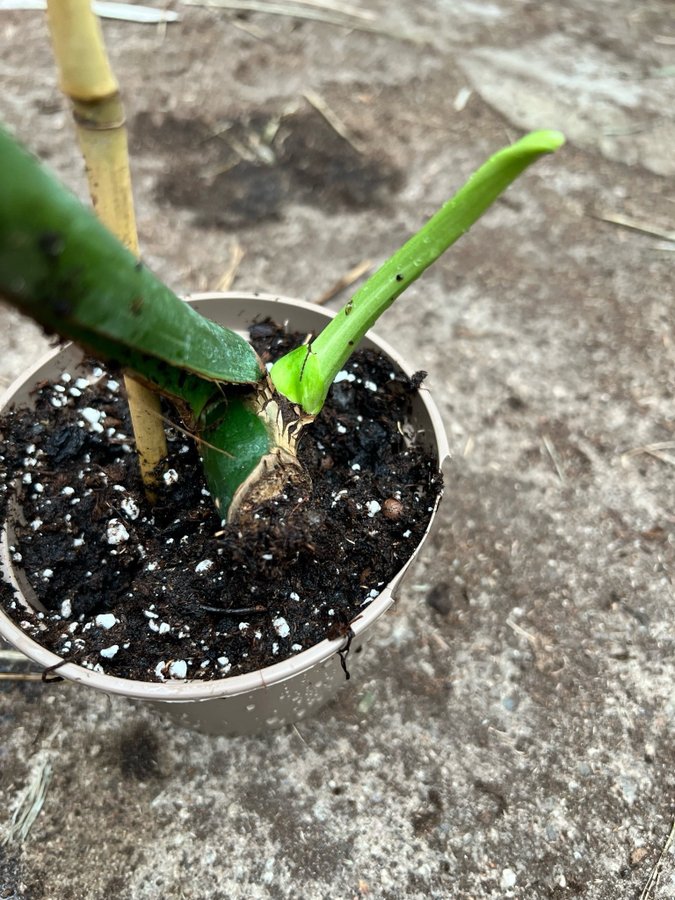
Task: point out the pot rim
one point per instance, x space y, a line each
261 678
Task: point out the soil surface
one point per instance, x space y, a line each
508 732
170 591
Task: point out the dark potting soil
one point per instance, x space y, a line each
170 592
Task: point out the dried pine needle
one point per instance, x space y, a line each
649 890
553 453
635 225
298 10
29 803
332 118
226 280
656 451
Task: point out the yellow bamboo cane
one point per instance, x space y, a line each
87 79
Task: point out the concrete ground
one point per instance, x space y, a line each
510 733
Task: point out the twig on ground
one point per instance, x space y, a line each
660 445
251 30
534 640
662 457
333 120
469 446
346 281
29 803
635 225
439 640
341 8
297 10
227 278
654 450
649 889
288 8
553 453
462 98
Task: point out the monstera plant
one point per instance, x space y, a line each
63 268
120 596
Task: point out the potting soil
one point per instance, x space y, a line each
170 591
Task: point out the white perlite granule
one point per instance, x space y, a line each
178 668
130 508
116 533
93 418
281 626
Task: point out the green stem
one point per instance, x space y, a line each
306 373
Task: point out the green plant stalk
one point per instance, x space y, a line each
305 374
63 268
231 423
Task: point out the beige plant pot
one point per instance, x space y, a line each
281 693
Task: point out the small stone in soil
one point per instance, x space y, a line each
392 508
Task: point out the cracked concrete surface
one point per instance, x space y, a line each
511 732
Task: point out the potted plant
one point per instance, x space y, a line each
61 266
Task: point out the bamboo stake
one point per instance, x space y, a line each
88 81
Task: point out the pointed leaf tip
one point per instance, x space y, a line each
545 141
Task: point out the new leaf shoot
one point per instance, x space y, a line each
305 374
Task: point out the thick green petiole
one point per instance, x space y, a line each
231 424
306 374
62 267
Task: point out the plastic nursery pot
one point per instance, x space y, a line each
278 694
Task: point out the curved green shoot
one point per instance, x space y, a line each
305 374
